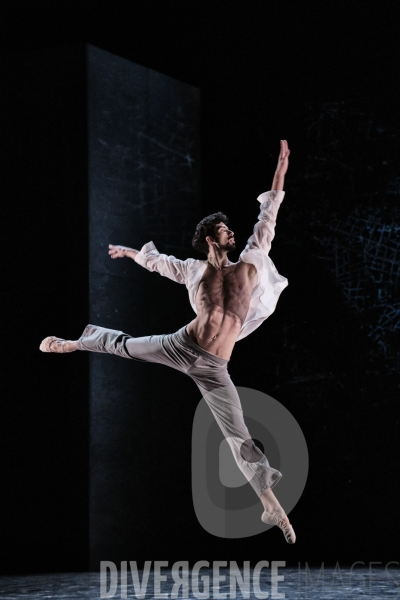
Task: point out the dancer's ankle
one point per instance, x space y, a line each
71 345
270 501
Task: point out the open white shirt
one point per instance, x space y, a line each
268 282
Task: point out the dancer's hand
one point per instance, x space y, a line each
283 160
121 251
282 167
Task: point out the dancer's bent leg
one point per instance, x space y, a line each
217 389
219 392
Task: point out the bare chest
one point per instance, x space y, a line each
234 283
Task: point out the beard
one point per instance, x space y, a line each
229 246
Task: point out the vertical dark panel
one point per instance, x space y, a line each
143 185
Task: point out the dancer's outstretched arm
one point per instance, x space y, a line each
153 260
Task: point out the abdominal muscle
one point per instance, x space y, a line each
215 331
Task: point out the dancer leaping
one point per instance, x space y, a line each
230 300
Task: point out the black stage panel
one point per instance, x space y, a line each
143 185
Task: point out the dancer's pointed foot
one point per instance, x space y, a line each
281 520
58 345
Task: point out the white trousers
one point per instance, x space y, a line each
209 372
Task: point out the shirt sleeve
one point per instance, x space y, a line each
167 266
264 229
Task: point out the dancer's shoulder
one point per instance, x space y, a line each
195 263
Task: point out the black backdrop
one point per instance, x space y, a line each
322 76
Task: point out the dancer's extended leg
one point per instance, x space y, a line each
167 349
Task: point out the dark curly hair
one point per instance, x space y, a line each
205 228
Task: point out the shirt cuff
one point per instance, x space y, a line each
141 256
277 195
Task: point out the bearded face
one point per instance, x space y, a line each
224 237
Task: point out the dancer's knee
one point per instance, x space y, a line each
249 452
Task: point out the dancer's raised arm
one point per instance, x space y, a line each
264 229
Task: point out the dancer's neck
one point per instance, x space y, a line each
218 262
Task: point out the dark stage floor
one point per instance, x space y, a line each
300 583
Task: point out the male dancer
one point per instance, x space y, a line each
230 301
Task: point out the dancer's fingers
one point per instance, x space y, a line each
285 149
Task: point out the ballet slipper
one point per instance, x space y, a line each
53 344
276 518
